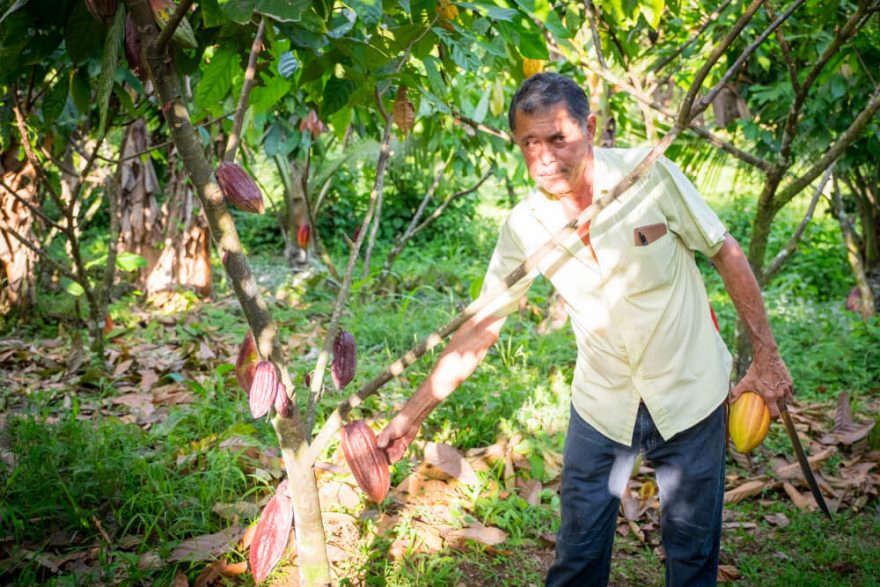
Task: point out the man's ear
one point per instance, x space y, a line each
591 126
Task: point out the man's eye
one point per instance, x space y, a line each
531 143
558 140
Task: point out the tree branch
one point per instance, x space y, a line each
791 246
45 255
866 296
249 74
31 207
173 23
659 65
786 51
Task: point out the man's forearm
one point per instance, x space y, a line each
740 282
459 359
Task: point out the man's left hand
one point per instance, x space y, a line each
769 377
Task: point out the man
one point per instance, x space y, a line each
652 372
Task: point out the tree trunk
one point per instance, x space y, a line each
296 211
139 210
17 262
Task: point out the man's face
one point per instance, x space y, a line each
556 149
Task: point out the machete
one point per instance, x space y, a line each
802 459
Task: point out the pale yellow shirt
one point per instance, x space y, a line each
640 314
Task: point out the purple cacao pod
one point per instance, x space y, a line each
239 189
102 10
271 534
246 363
263 389
344 359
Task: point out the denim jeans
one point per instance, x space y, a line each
690 475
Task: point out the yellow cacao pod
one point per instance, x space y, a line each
748 422
532 66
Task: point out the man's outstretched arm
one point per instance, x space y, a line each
767 374
458 360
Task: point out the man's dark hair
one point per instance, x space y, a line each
544 90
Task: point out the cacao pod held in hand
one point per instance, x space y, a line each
264 388
246 364
344 359
271 534
239 189
368 463
748 422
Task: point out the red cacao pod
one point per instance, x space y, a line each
303 235
344 359
748 422
281 401
368 463
271 535
263 389
246 363
239 189
102 10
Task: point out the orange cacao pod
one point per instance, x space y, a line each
367 461
271 534
748 422
239 189
344 359
263 389
246 363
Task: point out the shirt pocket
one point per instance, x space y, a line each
649 266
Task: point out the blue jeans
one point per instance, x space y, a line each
690 475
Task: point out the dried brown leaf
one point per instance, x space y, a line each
483 534
206 547
746 490
449 460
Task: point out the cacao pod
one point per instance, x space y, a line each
368 463
748 422
246 363
281 401
403 113
532 66
183 35
496 98
263 389
271 534
133 48
102 10
448 12
313 124
239 189
344 359
303 235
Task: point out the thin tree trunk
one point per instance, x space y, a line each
866 307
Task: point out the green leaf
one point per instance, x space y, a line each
83 36
263 98
80 91
653 11
523 34
72 287
217 78
435 80
490 10
482 107
239 11
18 4
211 14
283 10
369 11
54 101
336 94
108 66
130 261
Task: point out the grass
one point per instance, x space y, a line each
79 474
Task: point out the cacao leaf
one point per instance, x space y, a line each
270 537
344 359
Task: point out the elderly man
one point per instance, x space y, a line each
652 372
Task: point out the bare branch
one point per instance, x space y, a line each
659 65
31 207
790 128
866 296
45 255
592 15
249 74
482 127
786 51
460 194
173 23
844 141
791 246
708 98
29 153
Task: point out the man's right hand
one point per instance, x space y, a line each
397 436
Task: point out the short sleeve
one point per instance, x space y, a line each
509 253
689 216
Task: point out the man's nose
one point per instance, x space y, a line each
546 156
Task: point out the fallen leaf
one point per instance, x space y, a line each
148 378
150 561
244 509
789 471
747 489
450 461
180 580
532 492
801 501
778 519
728 573
122 368
205 353
205 547
483 534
